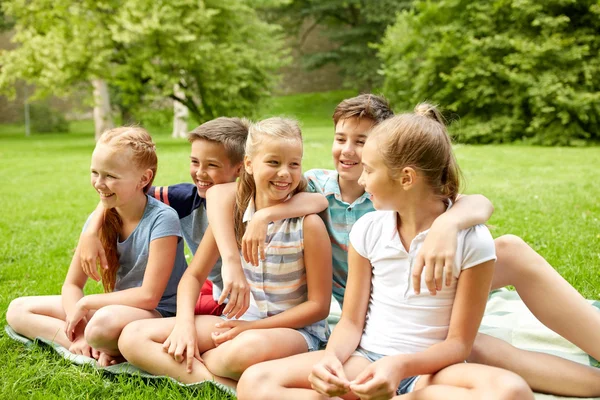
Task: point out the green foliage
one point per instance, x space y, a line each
219 51
510 69
44 119
353 26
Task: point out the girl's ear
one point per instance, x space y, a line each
146 178
408 177
248 165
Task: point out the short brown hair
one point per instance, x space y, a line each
230 132
373 107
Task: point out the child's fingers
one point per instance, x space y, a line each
179 350
245 251
103 260
245 304
439 273
449 269
416 273
231 305
224 294
429 274
167 344
190 354
364 376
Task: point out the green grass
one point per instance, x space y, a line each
548 196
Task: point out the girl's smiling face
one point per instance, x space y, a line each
115 176
276 169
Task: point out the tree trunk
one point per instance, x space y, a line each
102 118
181 115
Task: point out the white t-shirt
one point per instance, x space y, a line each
399 321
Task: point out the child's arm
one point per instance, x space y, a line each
71 294
220 202
90 248
439 249
328 376
182 340
161 259
301 204
317 261
467 311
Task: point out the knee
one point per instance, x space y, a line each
247 349
15 312
102 327
510 386
129 339
254 383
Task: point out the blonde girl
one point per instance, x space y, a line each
291 288
391 341
142 240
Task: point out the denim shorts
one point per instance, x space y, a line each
164 313
406 385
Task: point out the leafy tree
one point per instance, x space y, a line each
221 54
353 26
511 69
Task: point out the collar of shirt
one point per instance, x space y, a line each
391 232
332 188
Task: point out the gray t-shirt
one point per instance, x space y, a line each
158 220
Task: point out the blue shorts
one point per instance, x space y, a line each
165 313
406 385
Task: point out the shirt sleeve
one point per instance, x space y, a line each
360 233
166 224
478 247
182 197
312 182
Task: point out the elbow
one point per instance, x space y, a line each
322 309
149 301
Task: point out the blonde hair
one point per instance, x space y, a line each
143 155
420 140
266 130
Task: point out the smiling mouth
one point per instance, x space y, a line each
281 185
203 185
105 195
348 163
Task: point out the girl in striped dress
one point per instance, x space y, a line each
291 288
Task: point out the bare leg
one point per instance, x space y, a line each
251 347
543 372
141 344
287 378
563 310
470 382
39 316
104 328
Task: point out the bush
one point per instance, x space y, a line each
511 70
45 119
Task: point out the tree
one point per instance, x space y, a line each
353 26
509 69
220 53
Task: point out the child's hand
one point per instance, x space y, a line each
379 380
328 377
183 340
91 253
253 242
235 328
437 256
236 287
76 321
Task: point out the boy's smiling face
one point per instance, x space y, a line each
349 139
210 165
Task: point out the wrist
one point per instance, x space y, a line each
83 303
447 222
263 215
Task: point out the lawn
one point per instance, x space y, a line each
548 196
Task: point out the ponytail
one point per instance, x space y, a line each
246 188
109 236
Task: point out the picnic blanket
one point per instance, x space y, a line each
506 317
